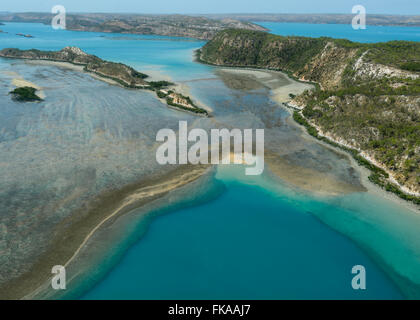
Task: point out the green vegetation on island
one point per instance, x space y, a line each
160 84
377 176
367 96
25 94
180 101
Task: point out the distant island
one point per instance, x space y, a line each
166 25
25 94
25 35
367 99
117 72
323 18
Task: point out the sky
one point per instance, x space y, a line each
215 6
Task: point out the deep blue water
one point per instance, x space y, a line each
344 31
257 239
249 243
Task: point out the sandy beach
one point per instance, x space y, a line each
366 185
180 86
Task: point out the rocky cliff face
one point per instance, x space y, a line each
368 96
328 66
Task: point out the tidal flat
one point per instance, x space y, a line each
61 154
290 154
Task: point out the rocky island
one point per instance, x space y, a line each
324 18
367 99
116 72
24 35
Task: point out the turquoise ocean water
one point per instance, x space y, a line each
256 238
344 31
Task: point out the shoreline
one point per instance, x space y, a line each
365 173
303 178
74 232
197 58
74 67
182 88
196 110
272 80
395 189
355 154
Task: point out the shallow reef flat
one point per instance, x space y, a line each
86 139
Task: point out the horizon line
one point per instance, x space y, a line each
229 13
